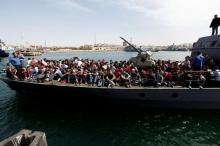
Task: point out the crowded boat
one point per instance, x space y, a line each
199 71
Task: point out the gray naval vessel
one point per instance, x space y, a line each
181 97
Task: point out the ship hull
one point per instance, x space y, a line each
149 97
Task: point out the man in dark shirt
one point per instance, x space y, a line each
215 24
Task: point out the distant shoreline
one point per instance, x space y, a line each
51 51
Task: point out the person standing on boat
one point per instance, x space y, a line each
16 61
198 61
215 24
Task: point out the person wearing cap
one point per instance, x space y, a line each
110 77
215 24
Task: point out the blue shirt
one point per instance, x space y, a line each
198 61
14 60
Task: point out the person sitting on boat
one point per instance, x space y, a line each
164 65
112 67
117 74
84 76
128 67
202 80
58 74
193 78
78 73
43 61
158 76
21 57
150 78
215 24
92 77
11 72
72 77
168 79
110 77
125 79
144 77
16 62
100 79
29 61
176 73
198 61
135 77
41 78
24 74
78 62
41 74
35 72
48 76
14 59
187 63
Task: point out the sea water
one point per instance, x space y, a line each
108 126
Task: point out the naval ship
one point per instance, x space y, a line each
179 97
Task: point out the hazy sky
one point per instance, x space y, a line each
77 22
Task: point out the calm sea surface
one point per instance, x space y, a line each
108 126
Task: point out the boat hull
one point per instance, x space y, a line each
179 97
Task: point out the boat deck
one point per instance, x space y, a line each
57 83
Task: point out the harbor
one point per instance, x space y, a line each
112 73
140 97
87 122
73 106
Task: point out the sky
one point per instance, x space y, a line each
79 22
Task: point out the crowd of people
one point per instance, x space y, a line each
101 73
